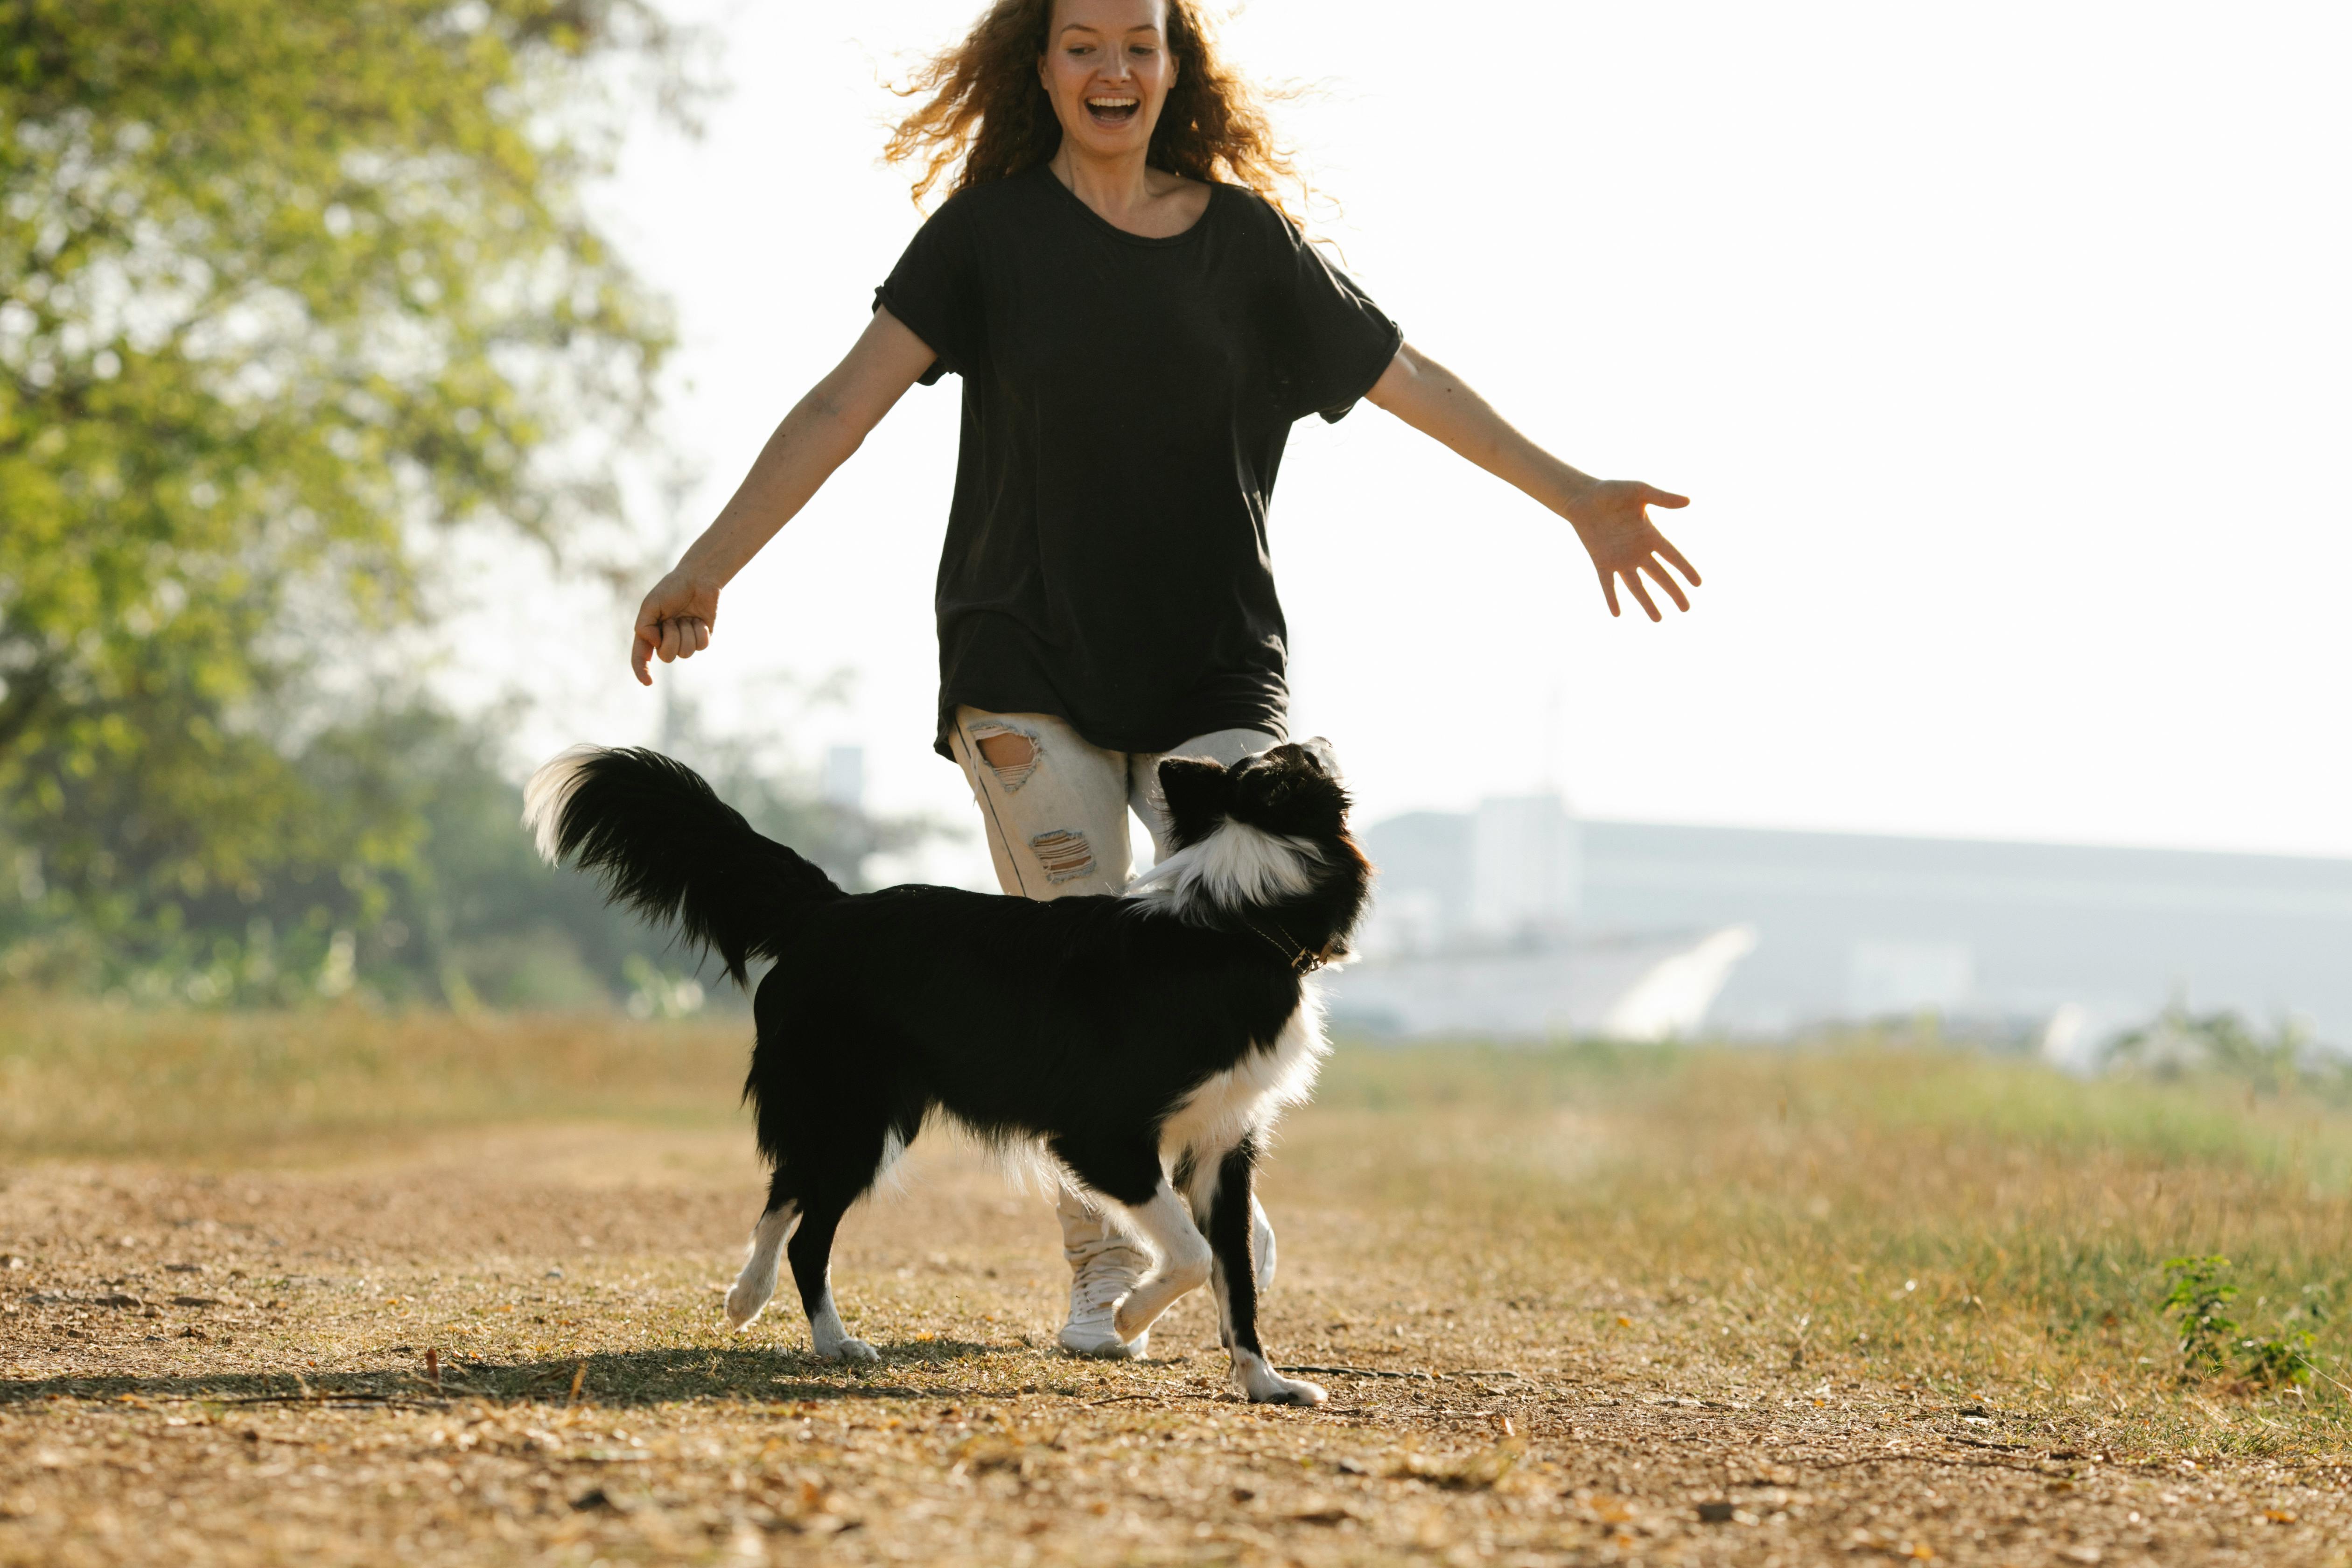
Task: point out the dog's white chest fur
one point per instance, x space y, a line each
1247 1096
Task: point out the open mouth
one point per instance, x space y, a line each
1113 109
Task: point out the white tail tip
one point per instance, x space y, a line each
549 791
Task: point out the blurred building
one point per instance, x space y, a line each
1478 928
1518 920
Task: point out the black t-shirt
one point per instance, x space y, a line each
1125 405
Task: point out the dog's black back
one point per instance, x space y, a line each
1021 1019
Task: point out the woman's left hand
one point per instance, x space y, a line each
1612 518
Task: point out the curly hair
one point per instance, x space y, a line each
986 115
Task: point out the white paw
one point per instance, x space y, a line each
1263 1385
1287 1391
850 1349
744 1303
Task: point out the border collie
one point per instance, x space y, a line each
1147 1041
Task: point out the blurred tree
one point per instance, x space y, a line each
2179 1043
287 288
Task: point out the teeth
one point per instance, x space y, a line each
1110 103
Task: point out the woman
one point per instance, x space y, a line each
1137 324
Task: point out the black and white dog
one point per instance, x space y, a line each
1147 1041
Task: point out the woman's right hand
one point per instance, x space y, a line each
674 621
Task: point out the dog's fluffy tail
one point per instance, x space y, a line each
669 848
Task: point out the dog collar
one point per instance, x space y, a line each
1303 962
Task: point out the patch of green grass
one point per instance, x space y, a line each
1976 1225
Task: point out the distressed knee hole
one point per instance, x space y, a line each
1011 755
1064 854
1008 750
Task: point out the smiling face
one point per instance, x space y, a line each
1108 69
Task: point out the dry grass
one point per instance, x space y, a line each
86 1078
1857 1300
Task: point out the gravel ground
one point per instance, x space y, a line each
506 1346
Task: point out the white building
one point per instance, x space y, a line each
1518 920
1474 931
1524 865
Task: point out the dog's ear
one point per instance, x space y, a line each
1198 793
1294 788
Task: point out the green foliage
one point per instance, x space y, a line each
2199 1292
2179 1043
450 886
464 913
2211 1341
2284 1360
289 288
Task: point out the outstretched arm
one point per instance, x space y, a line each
815 437
1611 516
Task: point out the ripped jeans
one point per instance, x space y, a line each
1055 806
1056 809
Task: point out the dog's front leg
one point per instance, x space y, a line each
1235 1282
1181 1264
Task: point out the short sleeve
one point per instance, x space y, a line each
935 291
1331 341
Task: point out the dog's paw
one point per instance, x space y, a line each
850 1349
743 1304
1288 1391
1263 1385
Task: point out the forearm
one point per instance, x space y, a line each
812 441
1438 403
816 437
1611 516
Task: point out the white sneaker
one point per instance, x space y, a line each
1100 1285
1104 1267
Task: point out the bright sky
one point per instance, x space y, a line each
2004 349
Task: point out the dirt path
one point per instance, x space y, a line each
232 1369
